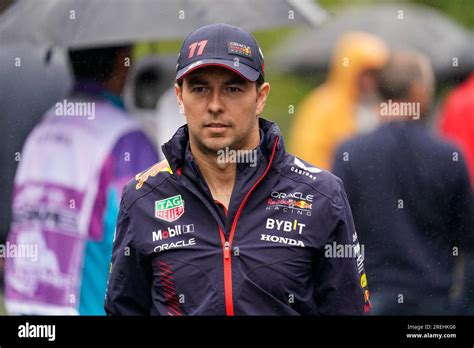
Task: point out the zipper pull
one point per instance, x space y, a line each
226 250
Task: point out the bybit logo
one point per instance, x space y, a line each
284 225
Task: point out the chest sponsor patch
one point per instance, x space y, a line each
301 169
175 245
169 209
171 232
282 240
292 202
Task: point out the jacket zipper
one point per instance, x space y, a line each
229 304
227 244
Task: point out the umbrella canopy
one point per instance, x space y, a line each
85 24
402 26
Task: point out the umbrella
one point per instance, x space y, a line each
84 24
402 26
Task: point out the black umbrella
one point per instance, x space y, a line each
80 24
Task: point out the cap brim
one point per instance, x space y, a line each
241 69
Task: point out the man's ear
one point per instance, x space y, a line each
262 95
179 93
179 97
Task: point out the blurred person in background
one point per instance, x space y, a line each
457 120
410 195
25 73
169 117
149 98
145 96
345 104
457 125
67 189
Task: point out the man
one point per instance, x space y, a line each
457 120
410 194
24 71
67 191
457 125
345 104
230 223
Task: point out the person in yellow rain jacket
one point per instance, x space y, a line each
345 104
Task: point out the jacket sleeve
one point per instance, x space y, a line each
340 280
129 284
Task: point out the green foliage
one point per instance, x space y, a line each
461 11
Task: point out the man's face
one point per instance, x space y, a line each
221 109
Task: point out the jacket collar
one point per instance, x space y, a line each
177 150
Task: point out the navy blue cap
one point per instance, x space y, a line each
221 45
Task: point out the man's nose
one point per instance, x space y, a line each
216 105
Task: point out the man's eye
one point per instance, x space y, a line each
233 89
199 89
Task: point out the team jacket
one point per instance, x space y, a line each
285 246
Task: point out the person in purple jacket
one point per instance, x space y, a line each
230 223
67 191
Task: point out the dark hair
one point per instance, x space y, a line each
260 81
96 64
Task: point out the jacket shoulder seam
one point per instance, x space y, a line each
147 192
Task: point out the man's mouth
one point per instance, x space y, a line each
216 126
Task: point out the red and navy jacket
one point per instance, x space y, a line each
285 246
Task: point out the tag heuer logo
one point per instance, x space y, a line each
169 209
